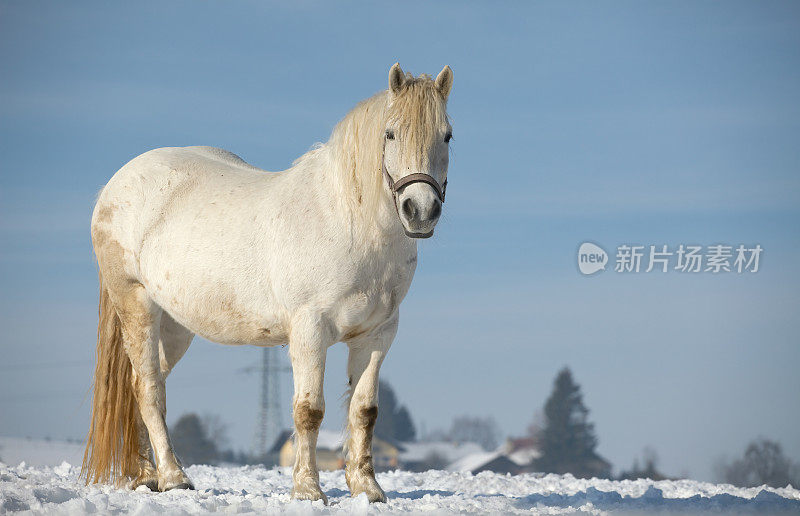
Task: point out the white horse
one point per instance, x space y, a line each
194 241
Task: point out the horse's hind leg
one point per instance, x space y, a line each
140 318
174 341
147 476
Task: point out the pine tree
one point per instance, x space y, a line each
568 440
403 426
394 421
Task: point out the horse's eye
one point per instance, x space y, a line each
448 137
389 134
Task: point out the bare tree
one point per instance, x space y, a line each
536 427
481 430
763 463
649 470
191 441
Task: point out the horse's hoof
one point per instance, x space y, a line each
373 491
175 480
147 478
309 494
367 485
150 483
183 485
376 496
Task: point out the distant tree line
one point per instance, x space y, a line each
565 438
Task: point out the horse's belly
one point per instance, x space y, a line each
224 324
218 314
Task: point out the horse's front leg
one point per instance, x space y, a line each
363 365
308 345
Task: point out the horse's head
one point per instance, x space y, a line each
416 147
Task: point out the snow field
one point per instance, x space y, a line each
255 489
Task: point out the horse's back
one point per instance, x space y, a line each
180 156
163 183
159 175
197 160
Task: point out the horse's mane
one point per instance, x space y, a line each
355 148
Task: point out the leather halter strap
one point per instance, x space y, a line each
394 186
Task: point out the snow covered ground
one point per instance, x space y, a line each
46 482
57 490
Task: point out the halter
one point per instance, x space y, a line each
394 186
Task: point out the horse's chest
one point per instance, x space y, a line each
375 301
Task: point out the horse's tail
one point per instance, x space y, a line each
112 446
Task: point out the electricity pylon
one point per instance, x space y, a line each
270 415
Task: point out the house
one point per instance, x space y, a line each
422 456
514 456
523 451
495 461
330 454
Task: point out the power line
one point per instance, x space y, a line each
45 365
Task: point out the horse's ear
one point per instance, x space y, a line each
444 81
396 78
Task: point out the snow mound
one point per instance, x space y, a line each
58 490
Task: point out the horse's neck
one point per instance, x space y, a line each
381 229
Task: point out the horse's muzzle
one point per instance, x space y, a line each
420 218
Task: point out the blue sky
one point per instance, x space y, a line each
614 122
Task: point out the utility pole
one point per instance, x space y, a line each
270 415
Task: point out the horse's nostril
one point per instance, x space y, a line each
435 211
409 209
